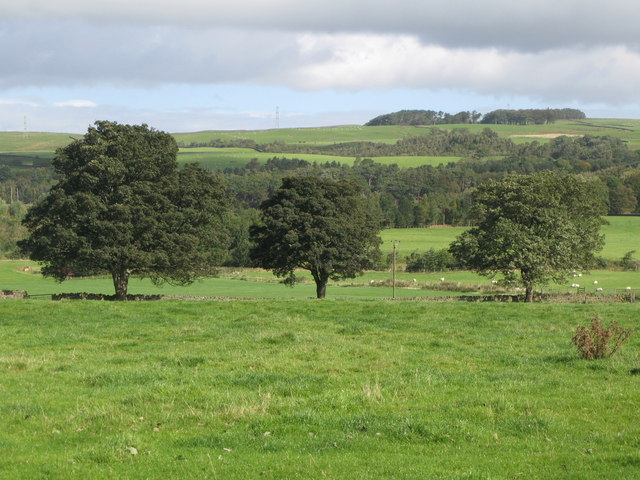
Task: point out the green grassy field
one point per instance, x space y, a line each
261 284
309 389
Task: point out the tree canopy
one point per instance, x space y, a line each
533 228
326 227
423 117
532 116
122 207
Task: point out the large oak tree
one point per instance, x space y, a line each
328 228
122 207
533 228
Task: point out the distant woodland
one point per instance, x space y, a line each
427 195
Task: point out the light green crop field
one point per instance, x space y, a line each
313 389
221 158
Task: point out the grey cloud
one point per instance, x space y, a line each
526 25
577 50
72 52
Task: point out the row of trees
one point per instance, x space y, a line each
121 206
424 117
510 117
532 116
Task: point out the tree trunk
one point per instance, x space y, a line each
321 289
321 280
121 283
528 297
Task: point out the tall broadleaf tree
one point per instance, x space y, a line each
326 227
122 207
533 229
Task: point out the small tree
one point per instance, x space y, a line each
122 207
328 228
533 229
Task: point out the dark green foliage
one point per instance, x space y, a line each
238 224
628 262
533 229
11 229
122 207
440 195
529 116
25 184
424 117
599 341
430 261
513 117
328 228
438 142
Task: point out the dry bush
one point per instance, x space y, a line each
599 341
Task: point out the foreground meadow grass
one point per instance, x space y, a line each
313 389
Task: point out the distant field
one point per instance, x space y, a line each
418 239
315 136
622 234
312 389
628 130
32 141
221 158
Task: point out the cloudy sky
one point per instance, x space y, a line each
228 64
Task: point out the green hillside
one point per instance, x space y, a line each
44 144
33 141
628 130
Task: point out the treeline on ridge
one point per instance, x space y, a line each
510 117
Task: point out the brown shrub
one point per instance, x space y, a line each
598 341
